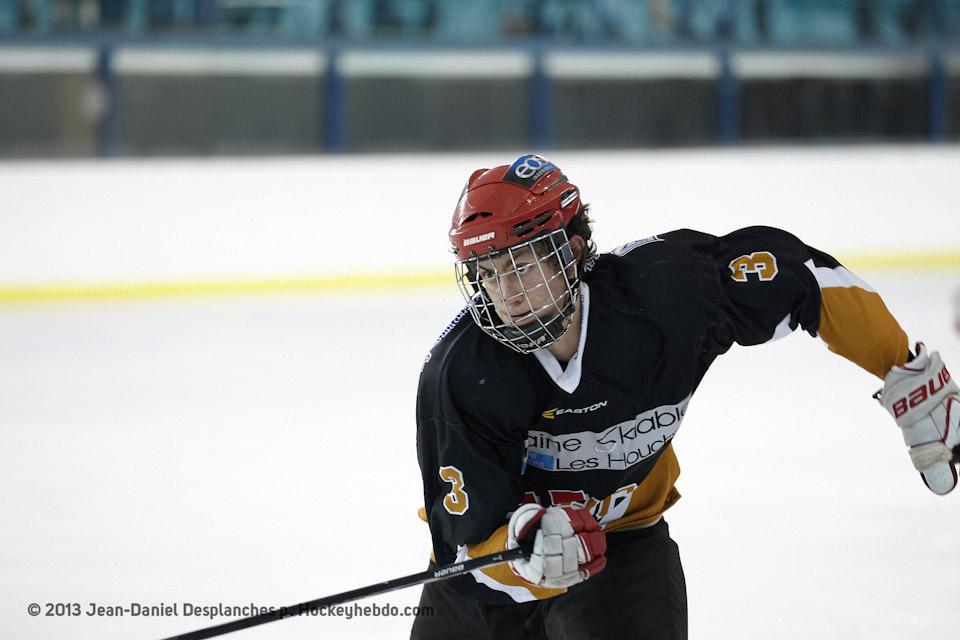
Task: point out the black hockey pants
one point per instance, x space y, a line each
641 594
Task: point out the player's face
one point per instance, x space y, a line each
521 287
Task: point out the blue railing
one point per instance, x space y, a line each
726 32
332 135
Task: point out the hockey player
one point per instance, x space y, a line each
547 408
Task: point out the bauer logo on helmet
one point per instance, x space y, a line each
474 240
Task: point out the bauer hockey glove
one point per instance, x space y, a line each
568 545
925 402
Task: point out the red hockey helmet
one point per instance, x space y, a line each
516 269
510 204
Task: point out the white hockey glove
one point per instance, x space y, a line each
568 545
925 402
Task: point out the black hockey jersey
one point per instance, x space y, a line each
497 428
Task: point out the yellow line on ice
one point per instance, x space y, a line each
49 293
358 282
905 261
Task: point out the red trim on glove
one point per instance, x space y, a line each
592 539
531 524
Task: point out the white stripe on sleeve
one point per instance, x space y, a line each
836 277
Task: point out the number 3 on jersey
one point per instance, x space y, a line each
762 263
456 502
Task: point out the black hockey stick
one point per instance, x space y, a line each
440 573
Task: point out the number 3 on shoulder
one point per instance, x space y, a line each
456 502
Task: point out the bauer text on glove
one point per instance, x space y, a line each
925 401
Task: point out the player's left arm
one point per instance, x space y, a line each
773 283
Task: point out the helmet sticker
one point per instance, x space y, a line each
526 170
568 198
480 238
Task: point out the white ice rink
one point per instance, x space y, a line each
260 449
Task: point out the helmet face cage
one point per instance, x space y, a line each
538 278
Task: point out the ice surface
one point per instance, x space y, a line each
262 450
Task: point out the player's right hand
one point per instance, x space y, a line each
568 545
925 402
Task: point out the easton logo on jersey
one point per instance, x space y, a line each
618 447
551 414
762 263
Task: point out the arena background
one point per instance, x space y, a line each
223 257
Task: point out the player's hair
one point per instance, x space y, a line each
579 225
